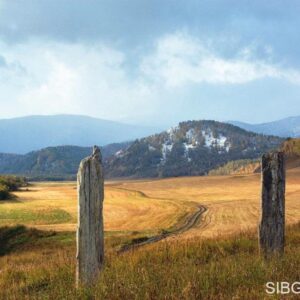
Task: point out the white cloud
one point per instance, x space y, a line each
70 78
50 77
179 59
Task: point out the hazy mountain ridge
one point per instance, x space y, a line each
288 127
191 148
25 134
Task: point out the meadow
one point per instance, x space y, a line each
232 202
215 259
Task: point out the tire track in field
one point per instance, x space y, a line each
191 221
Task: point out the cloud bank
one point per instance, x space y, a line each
180 59
47 77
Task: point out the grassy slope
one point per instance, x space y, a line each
291 147
42 266
237 167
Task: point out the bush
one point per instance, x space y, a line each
4 192
9 184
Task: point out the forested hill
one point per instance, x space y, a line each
191 148
53 162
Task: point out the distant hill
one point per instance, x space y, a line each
22 135
53 162
191 148
289 127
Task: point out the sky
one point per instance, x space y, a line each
152 62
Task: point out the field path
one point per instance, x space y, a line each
191 221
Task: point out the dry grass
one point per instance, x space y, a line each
41 265
53 206
152 205
233 202
44 268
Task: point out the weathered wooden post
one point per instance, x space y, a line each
90 233
272 224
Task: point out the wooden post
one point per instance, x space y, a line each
90 233
272 224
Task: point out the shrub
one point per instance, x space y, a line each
9 184
4 192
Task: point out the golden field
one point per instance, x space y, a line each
218 258
232 202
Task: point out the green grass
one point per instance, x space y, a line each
15 238
196 269
21 216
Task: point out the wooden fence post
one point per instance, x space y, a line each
272 224
90 233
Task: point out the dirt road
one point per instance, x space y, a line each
191 221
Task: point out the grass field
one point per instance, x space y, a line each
216 259
41 265
53 206
232 202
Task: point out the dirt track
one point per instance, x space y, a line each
190 222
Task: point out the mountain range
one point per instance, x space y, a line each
31 133
25 134
191 148
288 127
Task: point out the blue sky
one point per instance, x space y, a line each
151 62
